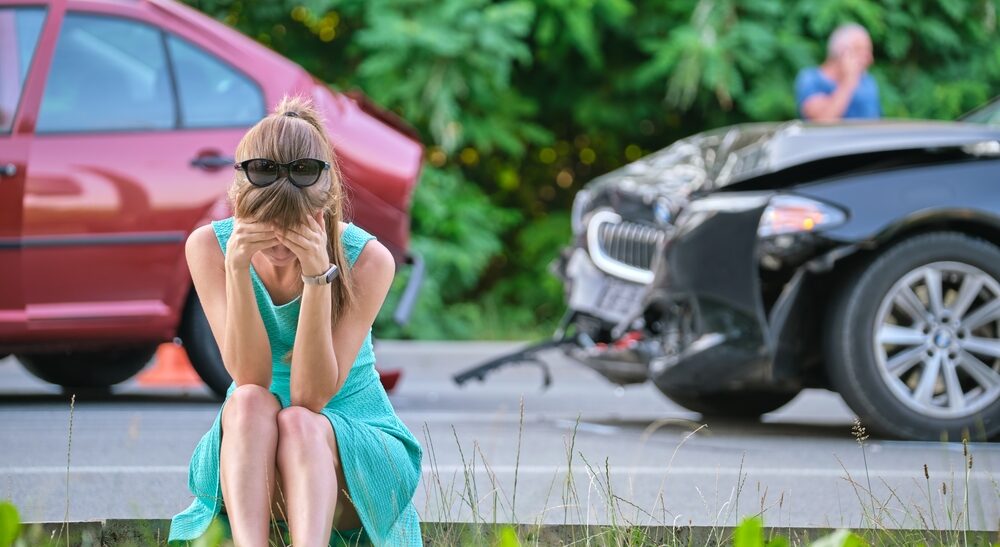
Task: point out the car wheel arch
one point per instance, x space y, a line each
843 300
967 221
853 262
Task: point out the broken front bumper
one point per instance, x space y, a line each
702 324
607 275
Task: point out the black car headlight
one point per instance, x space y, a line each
789 226
796 214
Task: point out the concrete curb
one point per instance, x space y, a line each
143 532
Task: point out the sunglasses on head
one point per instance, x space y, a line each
301 172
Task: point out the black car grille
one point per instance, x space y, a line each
630 243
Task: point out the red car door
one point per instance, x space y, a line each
135 134
21 28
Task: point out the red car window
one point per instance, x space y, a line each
19 31
107 74
210 92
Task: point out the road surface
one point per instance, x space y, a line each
633 457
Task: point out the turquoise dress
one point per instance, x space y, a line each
380 457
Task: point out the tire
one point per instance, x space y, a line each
734 405
199 343
91 370
885 382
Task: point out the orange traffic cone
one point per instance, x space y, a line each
171 367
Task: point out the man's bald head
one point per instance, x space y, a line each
849 37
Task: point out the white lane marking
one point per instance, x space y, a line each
702 470
544 470
109 469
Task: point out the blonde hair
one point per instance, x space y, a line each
294 130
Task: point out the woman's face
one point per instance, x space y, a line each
279 255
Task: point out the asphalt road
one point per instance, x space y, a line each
635 457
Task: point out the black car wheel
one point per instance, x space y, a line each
913 343
88 370
202 350
735 405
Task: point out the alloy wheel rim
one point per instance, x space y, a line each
936 339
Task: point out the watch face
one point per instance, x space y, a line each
332 274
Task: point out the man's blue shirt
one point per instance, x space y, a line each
864 103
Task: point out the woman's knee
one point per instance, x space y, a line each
251 403
299 425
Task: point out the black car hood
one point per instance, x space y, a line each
728 155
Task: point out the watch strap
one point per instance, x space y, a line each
323 278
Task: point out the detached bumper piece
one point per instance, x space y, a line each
625 361
405 306
527 354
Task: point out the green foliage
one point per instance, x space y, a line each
508 537
457 231
447 66
536 293
750 533
841 538
934 59
565 26
522 102
10 523
213 536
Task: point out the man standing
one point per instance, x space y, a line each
840 87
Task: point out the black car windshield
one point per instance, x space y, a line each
988 113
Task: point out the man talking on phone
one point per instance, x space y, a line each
840 87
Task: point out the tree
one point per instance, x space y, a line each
521 102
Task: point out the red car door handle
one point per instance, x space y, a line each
212 162
8 170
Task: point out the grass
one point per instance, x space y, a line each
494 519
628 524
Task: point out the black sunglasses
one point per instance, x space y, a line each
301 172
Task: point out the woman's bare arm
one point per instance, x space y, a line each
227 296
323 354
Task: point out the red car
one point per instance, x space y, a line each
118 122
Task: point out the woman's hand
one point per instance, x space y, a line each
309 243
248 238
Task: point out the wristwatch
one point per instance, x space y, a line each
323 278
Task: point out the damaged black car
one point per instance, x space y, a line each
738 266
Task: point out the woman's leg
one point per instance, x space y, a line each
247 462
312 477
